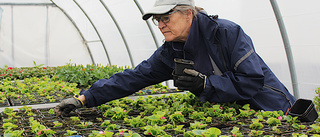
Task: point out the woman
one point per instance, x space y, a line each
226 67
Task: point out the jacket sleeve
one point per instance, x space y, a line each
244 78
148 72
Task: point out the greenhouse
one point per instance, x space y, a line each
51 50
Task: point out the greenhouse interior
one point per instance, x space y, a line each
52 50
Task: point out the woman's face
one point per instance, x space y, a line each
177 29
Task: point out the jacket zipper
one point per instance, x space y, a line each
278 91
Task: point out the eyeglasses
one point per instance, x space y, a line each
164 18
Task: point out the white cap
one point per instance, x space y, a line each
164 6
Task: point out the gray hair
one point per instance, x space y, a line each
182 8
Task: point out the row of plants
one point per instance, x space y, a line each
83 75
39 84
35 91
165 116
42 90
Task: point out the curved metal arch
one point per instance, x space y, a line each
81 35
151 30
287 47
105 50
120 31
148 24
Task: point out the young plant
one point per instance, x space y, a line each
51 111
208 120
197 116
176 117
291 119
155 131
256 133
112 127
256 124
197 125
40 130
298 127
273 121
57 124
11 120
214 111
85 125
96 133
70 133
168 126
105 123
315 129
228 117
26 109
126 133
75 120
236 132
135 122
116 113
156 119
211 132
179 129
9 126
15 133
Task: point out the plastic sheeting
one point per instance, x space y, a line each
112 32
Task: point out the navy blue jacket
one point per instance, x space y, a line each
245 76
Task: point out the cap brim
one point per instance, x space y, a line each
157 10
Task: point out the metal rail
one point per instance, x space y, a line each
81 35
104 47
120 31
287 48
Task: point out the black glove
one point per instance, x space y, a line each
194 81
68 105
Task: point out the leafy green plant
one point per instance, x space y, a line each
155 131
176 117
298 127
11 120
96 133
211 132
273 121
9 126
179 129
256 124
156 119
70 133
291 120
85 76
75 120
197 116
135 122
14 133
302 135
40 130
85 125
197 125
214 111
105 123
51 111
236 132
315 129
228 116
57 124
256 133
112 127
116 113
9 112
316 99
275 129
127 133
